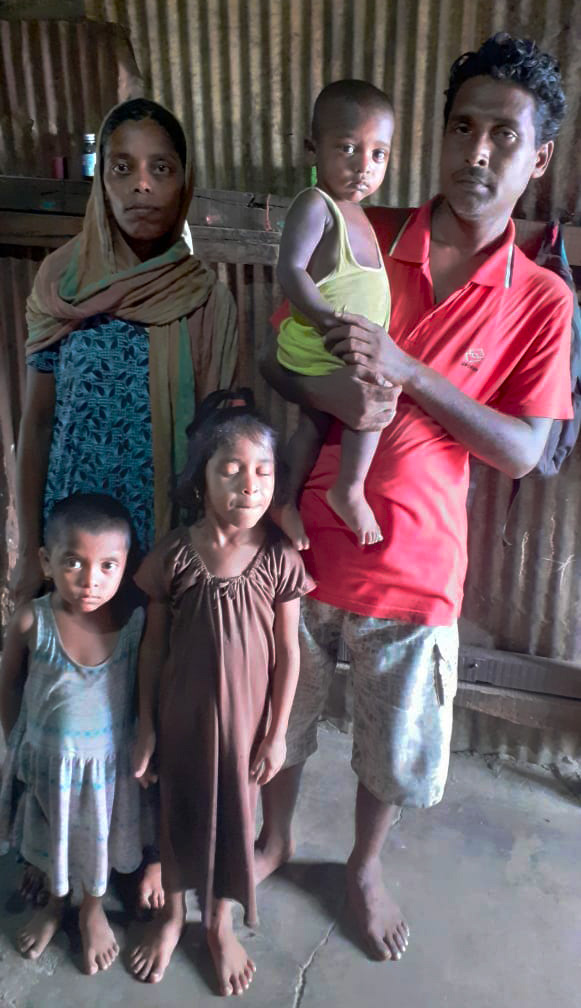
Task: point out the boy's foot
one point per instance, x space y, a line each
34 885
269 856
354 510
150 895
377 918
290 521
100 948
150 959
234 969
41 928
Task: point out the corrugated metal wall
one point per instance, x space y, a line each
242 74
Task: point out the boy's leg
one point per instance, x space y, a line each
234 968
301 454
404 685
347 495
100 948
319 633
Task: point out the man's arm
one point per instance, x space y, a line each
351 394
508 443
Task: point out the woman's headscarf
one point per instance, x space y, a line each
190 316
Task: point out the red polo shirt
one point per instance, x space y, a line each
504 340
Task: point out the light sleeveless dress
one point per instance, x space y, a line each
68 802
361 290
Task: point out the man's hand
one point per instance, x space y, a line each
358 341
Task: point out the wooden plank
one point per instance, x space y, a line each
235 245
531 710
519 671
48 230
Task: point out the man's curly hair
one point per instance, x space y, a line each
517 61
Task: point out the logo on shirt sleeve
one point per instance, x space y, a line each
473 358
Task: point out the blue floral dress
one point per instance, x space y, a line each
101 439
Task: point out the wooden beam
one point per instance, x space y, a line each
531 710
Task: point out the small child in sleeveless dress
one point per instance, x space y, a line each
330 263
217 675
69 802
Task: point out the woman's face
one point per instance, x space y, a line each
144 180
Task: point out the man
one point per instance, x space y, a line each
479 348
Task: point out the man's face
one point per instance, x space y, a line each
489 151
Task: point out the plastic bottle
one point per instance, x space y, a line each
89 158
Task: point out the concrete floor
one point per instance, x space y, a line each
490 882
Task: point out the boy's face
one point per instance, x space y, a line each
352 152
489 151
87 568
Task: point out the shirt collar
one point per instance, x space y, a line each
413 246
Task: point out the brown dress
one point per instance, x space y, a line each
213 709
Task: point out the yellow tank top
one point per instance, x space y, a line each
362 290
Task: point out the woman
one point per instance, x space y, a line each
127 332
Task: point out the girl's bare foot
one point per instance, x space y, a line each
290 521
100 948
270 853
377 918
41 928
234 969
354 510
34 885
150 959
150 894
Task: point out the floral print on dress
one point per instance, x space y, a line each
101 439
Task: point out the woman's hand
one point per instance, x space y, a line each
143 751
27 578
269 759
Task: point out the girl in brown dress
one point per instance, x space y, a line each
218 671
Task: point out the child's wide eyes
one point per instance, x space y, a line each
72 563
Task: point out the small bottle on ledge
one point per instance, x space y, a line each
89 158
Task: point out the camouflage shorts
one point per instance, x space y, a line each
404 683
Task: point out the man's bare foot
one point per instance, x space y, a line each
378 919
150 959
100 948
234 969
34 885
354 510
269 855
41 928
290 521
150 895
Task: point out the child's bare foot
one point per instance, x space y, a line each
234 969
378 919
354 510
290 521
150 895
34 885
270 853
150 959
100 948
41 928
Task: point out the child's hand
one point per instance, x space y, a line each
143 751
269 759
